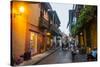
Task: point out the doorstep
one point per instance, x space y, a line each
37 58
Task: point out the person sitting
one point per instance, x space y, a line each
94 54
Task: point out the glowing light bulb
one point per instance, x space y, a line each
21 9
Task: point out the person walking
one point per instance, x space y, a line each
73 52
62 46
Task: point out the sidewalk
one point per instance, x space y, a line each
37 58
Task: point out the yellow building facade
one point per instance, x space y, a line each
24 25
26 36
89 37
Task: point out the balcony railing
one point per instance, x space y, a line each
54 30
43 23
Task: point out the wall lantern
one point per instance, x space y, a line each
21 9
48 33
81 33
18 11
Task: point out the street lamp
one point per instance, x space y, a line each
81 33
48 33
18 11
21 9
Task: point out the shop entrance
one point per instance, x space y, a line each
33 42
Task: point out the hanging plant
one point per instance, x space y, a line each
86 14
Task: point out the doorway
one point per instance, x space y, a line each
33 42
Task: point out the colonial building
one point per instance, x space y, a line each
44 26
54 27
33 27
71 19
29 26
85 27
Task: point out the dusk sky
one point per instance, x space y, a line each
62 10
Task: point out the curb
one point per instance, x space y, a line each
39 60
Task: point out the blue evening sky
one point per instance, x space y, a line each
62 10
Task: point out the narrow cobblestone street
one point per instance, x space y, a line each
58 57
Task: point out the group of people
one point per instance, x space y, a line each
64 46
76 49
92 56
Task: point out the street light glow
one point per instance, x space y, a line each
21 9
48 33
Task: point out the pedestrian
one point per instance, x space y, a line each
77 51
62 45
72 47
73 51
94 54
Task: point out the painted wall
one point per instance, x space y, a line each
34 13
21 23
93 35
18 30
85 42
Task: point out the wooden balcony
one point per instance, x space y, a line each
43 23
54 30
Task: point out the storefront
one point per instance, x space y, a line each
40 43
37 43
33 42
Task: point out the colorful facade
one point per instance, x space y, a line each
30 33
87 31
